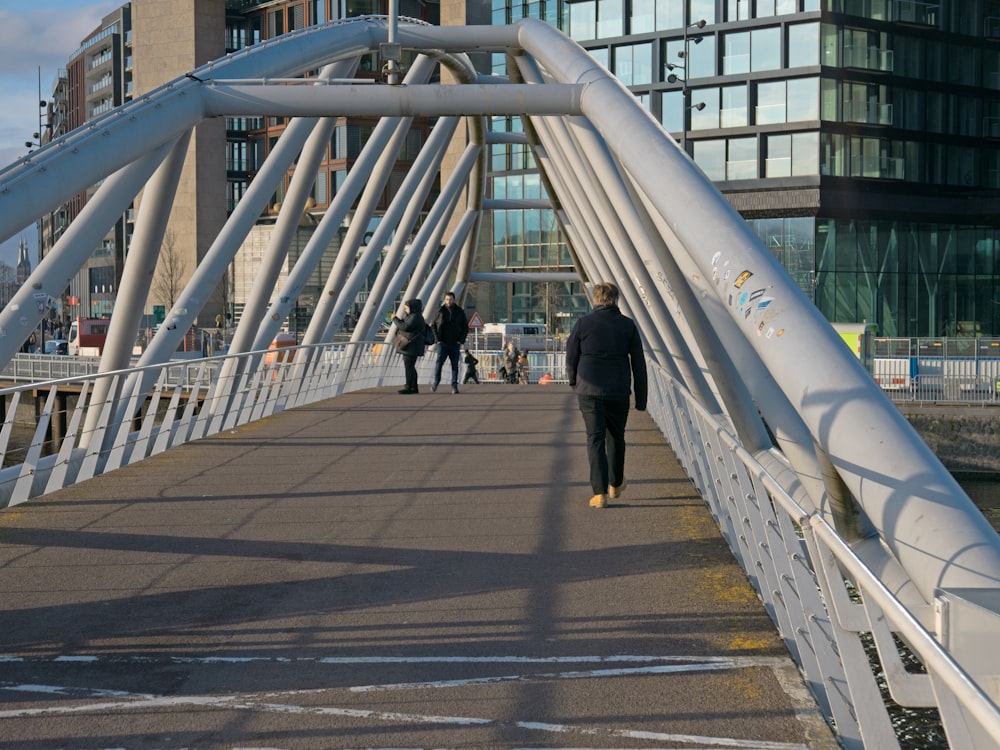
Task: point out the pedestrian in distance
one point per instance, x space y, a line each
509 369
605 364
410 340
523 368
470 368
450 329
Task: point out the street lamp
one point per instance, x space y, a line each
685 55
42 107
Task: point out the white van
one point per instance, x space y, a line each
526 336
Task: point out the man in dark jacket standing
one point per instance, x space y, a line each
450 330
603 359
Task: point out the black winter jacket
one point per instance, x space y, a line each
451 325
413 326
604 356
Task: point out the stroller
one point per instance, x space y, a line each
507 376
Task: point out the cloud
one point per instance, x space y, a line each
45 38
36 36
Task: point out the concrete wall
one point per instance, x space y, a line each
963 440
171 38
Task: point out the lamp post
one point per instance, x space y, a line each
685 55
43 105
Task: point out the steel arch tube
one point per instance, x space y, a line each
942 541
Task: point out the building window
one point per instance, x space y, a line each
741 159
643 17
320 189
765 49
699 62
737 10
296 17
500 15
867 50
596 19
634 64
795 100
771 103
711 157
602 55
704 117
734 107
991 65
736 53
672 111
803 45
702 10
275 23
792 155
803 99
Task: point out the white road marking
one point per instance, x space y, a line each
594 673
272 701
247 702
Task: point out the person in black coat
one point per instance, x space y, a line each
411 326
470 368
450 329
605 363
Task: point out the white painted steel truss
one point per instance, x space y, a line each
756 392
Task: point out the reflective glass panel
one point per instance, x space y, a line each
803 45
765 49
803 99
736 53
711 157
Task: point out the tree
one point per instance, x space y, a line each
168 281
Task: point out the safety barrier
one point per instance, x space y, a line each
841 620
76 438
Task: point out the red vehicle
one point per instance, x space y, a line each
87 336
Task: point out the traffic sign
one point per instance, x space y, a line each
476 321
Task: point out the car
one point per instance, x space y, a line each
56 346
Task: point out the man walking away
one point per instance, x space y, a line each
603 358
450 330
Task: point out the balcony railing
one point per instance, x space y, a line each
873 113
780 166
742 169
911 11
881 167
868 58
733 117
101 59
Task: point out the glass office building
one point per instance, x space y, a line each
859 138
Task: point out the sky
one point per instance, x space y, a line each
33 34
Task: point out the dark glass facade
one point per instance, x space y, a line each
859 138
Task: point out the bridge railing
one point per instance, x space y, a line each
840 619
54 434
871 660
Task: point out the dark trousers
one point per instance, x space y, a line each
604 420
410 370
447 351
471 374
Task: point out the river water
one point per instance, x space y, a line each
984 491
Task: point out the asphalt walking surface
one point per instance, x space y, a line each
383 570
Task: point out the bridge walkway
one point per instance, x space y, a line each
381 570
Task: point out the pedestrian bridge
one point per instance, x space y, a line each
867 555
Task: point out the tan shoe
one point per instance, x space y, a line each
616 492
598 501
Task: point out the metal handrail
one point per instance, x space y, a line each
826 600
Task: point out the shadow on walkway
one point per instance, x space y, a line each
381 570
